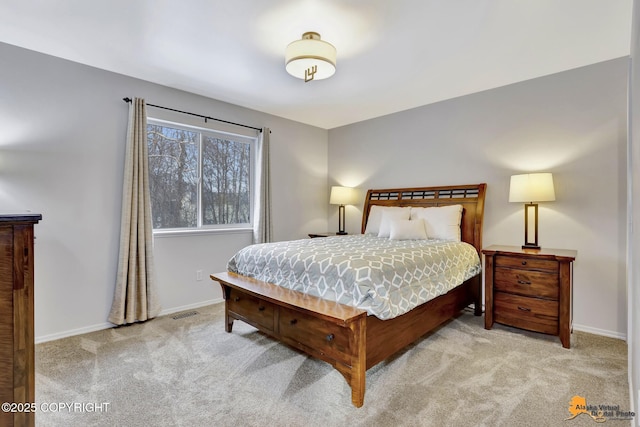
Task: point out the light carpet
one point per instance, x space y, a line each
189 372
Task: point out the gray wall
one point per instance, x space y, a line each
572 124
62 137
634 209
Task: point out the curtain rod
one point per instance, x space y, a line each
128 100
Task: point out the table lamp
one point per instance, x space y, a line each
342 196
530 188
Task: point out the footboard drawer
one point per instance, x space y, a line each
328 338
250 309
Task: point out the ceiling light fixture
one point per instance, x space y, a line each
310 58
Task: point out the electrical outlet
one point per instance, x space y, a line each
198 275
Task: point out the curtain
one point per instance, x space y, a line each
262 228
135 297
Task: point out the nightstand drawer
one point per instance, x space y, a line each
526 263
526 282
527 313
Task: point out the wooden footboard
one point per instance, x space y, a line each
343 336
326 330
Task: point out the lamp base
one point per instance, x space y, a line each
341 233
530 209
341 220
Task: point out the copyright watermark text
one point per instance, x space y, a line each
69 407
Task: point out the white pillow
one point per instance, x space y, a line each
375 217
404 229
441 222
388 216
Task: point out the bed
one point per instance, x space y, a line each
345 336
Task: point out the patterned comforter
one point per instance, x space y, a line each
385 277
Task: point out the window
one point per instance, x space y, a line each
199 178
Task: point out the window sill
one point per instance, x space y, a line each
200 232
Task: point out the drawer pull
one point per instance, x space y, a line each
524 262
330 337
524 282
236 299
293 321
523 308
261 308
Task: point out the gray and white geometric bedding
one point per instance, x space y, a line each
385 277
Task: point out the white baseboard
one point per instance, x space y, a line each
189 307
107 325
72 332
596 331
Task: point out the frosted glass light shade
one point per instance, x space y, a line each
532 187
343 196
310 51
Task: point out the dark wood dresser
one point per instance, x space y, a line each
529 289
17 376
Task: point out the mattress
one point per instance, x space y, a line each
385 277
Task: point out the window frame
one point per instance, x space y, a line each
216 132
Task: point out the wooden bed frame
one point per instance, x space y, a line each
346 337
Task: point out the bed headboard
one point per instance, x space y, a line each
471 197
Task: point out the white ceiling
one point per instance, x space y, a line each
392 55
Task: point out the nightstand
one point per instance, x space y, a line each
529 289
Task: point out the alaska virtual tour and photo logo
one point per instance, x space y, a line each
599 413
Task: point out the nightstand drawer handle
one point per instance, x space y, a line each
261 308
524 262
523 308
524 282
